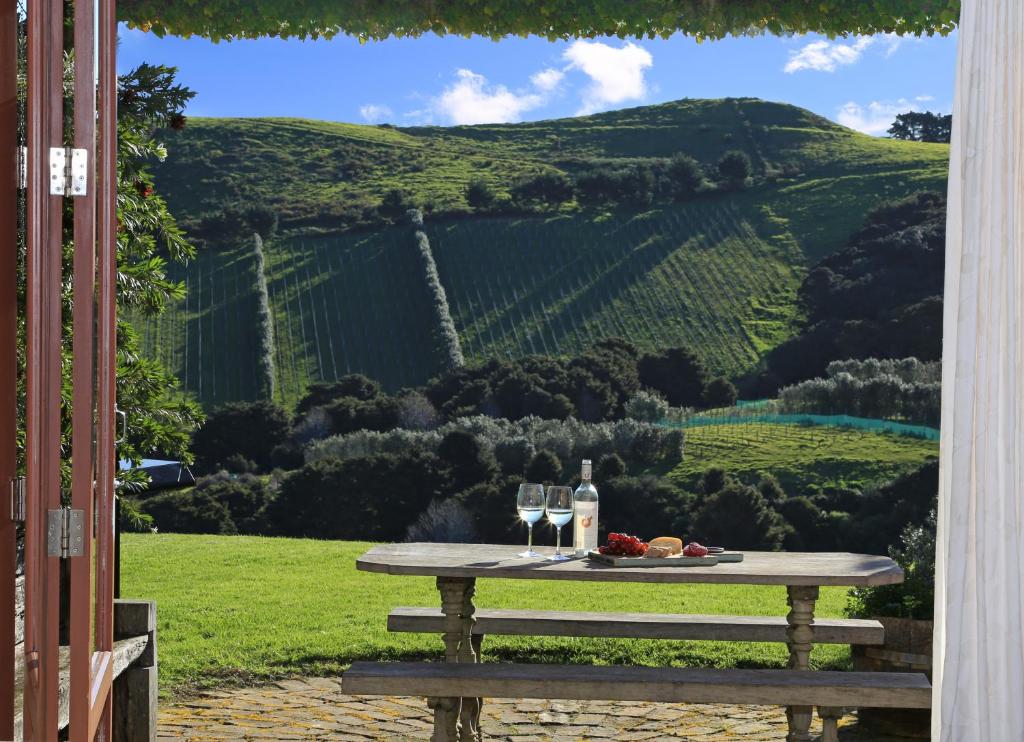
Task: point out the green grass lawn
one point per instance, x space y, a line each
239 610
801 456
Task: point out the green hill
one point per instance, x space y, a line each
718 273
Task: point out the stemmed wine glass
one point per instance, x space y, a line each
530 503
559 513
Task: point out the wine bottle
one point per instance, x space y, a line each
584 501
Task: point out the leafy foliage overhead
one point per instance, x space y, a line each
702 19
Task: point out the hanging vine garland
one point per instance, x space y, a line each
551 19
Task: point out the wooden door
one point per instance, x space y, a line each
67 518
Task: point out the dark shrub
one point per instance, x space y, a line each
189 512
915 598
645 506
810 531
247 429
714 479
348 414
738 517
720 392
245 497
513 455
734 167
394 204
684 175
544 468
551 188
480 194
610 466
677 373
287 456
356 386
886 511
469 461
493 510
371 498
770 489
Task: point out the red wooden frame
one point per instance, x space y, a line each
8 341
93 327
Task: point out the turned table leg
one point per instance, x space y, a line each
830 723
800 639
457 719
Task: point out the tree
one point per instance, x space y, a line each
470 462
249 429
357 386
544 468
480 194
738 517
918 126
734 167
160 419
677 373
394 204
550 187
370 497
720 392
684 175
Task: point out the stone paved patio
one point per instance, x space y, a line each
315 708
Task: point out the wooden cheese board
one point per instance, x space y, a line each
676 560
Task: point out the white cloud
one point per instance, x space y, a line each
547 79
874 118
471 100
924 98
374 113
826 56
616 73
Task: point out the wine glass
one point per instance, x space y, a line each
530 503
559 513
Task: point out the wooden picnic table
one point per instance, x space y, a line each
457 566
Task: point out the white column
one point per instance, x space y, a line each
979 599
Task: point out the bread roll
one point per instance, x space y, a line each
675 545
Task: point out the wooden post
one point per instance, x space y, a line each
136 689
830 717
457 719
8 355
800 635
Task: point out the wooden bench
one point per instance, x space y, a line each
501 622
135 671
831 690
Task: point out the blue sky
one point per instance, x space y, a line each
861 82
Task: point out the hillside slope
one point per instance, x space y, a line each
719 273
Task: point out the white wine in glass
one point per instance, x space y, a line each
530 504
559 513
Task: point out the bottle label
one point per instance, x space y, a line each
585 528
586 473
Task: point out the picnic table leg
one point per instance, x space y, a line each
830 723
800 639
457 719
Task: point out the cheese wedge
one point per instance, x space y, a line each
675 544
658 552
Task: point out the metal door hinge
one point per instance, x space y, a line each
69 171
65 533
22 167
18 499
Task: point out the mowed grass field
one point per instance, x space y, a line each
800 456
237 610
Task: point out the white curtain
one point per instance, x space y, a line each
979 600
